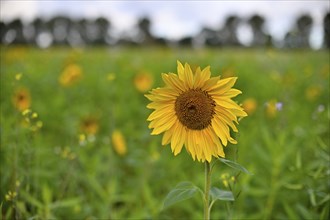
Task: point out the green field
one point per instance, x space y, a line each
58 160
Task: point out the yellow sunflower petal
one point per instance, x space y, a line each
205 74
180 71
210 83
206 146
169 81
161 112
190 144
222 86
197 78
227 121
220 131
189 76
232 93
177 141
167 137
178 147
161 121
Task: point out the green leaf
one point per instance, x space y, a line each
218 194
65 203
182 191
46 194
235 165
30 199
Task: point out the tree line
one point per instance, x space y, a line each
62 30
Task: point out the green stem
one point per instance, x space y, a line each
207 191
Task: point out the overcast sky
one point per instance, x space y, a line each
176 19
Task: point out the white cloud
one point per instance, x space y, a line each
26 10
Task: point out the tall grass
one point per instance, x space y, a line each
57 170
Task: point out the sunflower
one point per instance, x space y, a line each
249 105
70 75
143 81
119 143
22 99
89 125
195 110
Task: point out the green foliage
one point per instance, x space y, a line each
218 194
52 168
180 192
234 165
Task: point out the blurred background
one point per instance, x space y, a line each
75 143
288 24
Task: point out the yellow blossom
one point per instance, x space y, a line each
89 125
195 110
143 81
249 105
313 92
119 143
70 75
22 99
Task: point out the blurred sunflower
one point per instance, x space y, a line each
143 81
70 75
313 92
21 99
118 142
195 110
89 125
249 105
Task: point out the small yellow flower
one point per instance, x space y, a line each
10 196
18 76
90 125
249 105
227 180
119 143
67 153
70 75
111 77
225 177
313 92
82 139
143 81
22 99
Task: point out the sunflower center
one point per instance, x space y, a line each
195 109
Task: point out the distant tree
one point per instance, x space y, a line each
3 30
229 31
208 37
326 28
145 35
102 26
78 32
299 36
39 27
304 24
257 24
59 26
16 27
186 41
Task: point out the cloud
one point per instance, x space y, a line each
26 10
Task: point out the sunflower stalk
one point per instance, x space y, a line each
207 208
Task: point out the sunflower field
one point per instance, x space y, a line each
75 142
